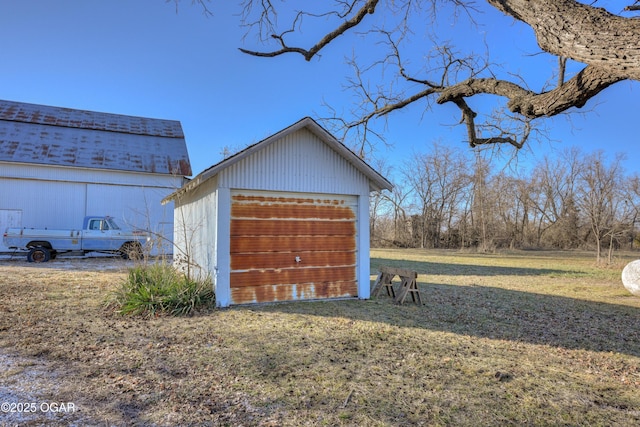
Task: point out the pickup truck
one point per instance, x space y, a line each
98 234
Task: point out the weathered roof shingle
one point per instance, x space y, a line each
41 134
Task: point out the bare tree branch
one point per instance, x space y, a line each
202 3
368 8
607 45
574 93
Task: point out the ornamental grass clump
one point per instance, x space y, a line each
152 290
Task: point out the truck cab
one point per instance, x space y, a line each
101 233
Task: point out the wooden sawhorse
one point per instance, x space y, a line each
408 284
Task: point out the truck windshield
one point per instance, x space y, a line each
112 224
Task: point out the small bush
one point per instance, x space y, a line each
152 290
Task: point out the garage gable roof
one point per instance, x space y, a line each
376 180
40 134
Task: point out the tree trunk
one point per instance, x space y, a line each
584 33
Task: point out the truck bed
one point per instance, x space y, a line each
67 239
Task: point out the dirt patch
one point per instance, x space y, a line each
29 394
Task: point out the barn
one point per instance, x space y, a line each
58 165
285 219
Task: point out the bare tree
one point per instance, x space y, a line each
632 198
481 211
599 199
437 180
572 200
511 204
554 181
396 232
595 47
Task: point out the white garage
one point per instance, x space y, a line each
285 219
58 165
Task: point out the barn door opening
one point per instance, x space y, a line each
290 246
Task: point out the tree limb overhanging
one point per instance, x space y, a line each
573 93
608 46
368 8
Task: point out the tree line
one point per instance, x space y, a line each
451 198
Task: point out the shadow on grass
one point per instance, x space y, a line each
438 268
496 313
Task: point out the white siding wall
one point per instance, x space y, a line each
73 174
195 230
364 269
45 204
59 197
223 248
300 162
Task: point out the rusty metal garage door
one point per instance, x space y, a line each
290 246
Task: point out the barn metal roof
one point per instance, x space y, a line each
40 134
376 180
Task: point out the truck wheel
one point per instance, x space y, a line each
39 254
131 251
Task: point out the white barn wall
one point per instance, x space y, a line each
60 197
98 176
55 204
59 164
44 204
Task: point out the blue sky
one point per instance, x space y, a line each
142 58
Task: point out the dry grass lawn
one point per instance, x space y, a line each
524 338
